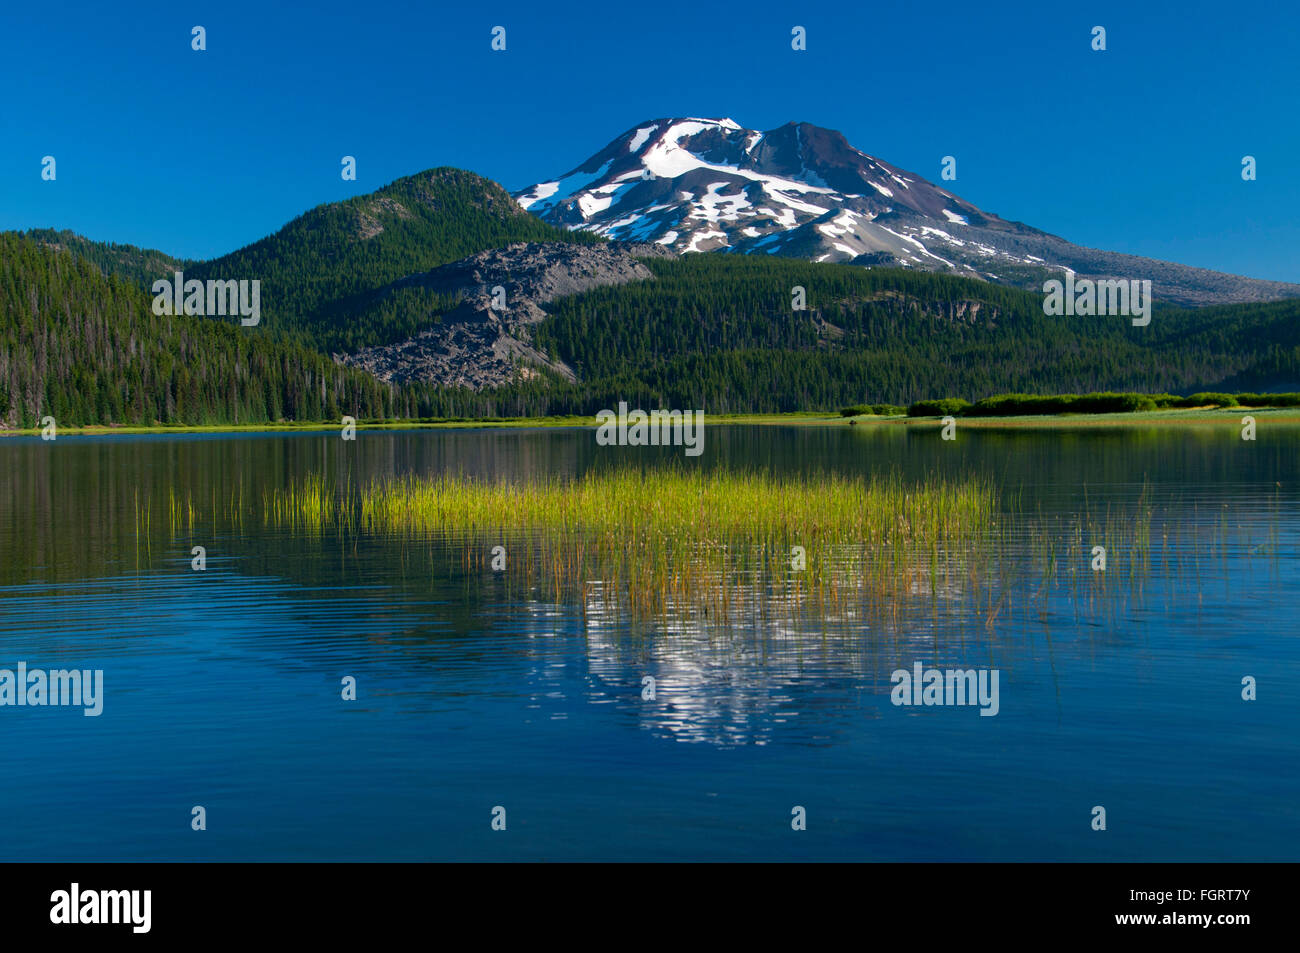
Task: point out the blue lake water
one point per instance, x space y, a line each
222 687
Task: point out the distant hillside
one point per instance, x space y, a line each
718 332
140 266
86 349
342 249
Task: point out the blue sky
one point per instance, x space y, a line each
1136 149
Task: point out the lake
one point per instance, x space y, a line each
1119 688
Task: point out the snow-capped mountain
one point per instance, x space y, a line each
709 184
695 185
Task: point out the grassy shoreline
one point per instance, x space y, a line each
1188 417
1200 416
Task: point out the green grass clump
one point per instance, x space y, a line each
1205 399
1202 399
888 410
1268 400
877 410
681 505
947 406
1031 405
1018 405
872 410
672 539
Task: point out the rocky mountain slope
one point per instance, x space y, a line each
468 340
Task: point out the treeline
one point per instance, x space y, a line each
718 331
139 266
1023 405
714 332
87 349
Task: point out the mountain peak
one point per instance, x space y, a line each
801 190
699 184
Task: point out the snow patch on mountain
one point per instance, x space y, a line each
642 136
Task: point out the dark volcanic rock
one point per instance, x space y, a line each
476 345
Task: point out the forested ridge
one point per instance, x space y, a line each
342 250
719 331
86 348
79 341
140 266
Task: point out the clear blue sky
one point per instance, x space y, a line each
1137 149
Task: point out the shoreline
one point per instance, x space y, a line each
1185 417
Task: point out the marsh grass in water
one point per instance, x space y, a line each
669 540
681 545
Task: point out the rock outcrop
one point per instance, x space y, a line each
478 344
